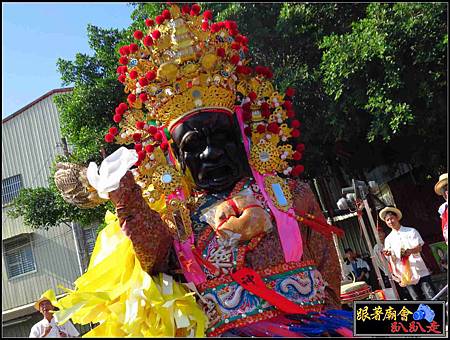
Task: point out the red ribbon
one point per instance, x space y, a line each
233 205
319 225
252 281
444 219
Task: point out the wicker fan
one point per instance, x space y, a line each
72 183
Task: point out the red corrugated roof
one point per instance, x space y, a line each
62 90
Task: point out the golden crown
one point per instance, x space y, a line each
185 63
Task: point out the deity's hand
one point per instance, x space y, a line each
150 236
113 180
242 215
122 195
407 252
72 183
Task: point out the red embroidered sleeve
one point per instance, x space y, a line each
315 246
148 233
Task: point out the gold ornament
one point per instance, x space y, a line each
186 55
71 181
264 157
166 179
177 216
188 68
279 192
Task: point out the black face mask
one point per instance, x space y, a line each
208 145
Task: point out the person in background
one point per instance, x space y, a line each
441 188
383 265
405 243
357 266
47 327
379 259
442 259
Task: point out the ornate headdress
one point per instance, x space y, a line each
185 64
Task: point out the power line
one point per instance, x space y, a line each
45 166
37 244
40 243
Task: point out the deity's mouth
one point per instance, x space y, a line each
217 175
215 172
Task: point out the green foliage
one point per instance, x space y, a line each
43 208
37 207
85 116
371 84
293 32
391 70
86 113
144 10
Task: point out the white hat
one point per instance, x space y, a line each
49 295
443 180
396 211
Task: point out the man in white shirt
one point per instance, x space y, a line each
441 188
382 263
405 243
47 327
357 266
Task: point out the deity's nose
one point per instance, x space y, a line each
211 153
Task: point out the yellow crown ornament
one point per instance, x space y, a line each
184 63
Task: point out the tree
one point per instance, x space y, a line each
294 32
85 117
86 113
370 80
388 76
43 208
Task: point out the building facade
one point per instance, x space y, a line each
34 261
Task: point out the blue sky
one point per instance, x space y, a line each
35 35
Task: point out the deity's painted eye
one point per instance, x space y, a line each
193 143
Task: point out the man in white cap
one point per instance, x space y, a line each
47 327
441 188
402 247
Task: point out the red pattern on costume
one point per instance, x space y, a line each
268 251
315 246
264 251
148 233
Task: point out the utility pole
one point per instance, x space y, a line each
77 247
375 231
335 238
361 191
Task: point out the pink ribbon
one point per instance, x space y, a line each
288 229
191 268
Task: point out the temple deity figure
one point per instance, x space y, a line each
210 207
